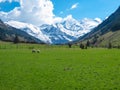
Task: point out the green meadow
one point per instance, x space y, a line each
58 68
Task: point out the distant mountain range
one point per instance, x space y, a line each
8 33
107 32
60 33
68 30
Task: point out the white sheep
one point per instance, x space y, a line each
35 51
38 51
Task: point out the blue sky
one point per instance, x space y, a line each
79 9
7 6
85 8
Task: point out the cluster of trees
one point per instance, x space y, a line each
111 46
81 45
89 44
17 39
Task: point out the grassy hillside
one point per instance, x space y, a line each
107 32
105 39
113 37
58 68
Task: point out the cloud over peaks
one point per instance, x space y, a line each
36 12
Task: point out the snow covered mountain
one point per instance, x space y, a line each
66 31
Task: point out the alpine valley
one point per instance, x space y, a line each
66 31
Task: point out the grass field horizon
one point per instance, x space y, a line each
58 68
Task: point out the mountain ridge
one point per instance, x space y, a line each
106 32
8 33
60 33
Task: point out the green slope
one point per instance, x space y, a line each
58 68
107 31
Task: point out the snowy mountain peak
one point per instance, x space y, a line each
89 24
69 18
98 20
67 30
30 29
71 24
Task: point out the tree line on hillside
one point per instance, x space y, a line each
89 44
18 39
81 45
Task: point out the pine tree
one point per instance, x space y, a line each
70 45
88 43
16 39
109 45
81 46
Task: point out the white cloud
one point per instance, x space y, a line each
36 12
74 6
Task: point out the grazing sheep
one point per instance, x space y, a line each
33 50
38 51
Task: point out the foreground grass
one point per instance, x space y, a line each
59 69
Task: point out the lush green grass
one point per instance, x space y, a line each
59 68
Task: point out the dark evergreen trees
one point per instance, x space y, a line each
69 45
16 39
109 45
88 43
81 46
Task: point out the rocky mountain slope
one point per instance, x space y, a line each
60 33
8 33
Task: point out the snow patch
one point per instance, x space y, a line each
65 31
